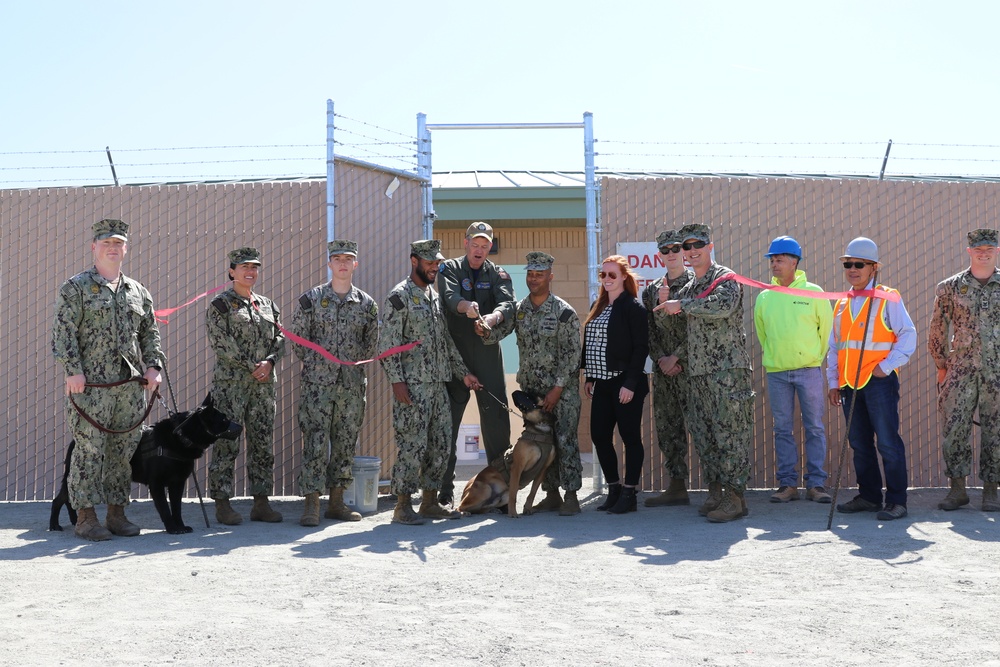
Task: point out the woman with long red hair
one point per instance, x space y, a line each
615 346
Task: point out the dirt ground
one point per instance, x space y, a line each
657 587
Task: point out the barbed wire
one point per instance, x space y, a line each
378 127
174 148
365 145
743 143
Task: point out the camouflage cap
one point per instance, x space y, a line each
539 261
980 237
342 248
244 256
110 229
428 249
668 238
700 232
479 229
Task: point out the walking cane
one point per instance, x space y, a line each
850 413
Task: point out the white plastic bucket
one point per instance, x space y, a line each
362 494
467 447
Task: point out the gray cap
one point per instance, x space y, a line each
539 261
110 229
244 256
696 231
342 248
668 238
427 249
980 237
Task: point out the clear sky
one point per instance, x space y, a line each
798 86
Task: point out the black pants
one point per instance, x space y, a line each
605 413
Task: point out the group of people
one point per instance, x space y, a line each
701 374
689 322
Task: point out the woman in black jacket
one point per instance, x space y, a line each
615 346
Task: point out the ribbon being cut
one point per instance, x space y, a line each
743 280
162 315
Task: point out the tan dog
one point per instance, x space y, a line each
526 461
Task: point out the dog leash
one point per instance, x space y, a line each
502 404
106 385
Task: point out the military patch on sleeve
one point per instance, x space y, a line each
221 305
566 316
503 274
396 302
374 309
305 302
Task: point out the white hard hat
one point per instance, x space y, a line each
862 248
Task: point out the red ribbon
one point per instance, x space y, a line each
809 294
162 315
318 348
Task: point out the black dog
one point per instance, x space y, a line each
164 460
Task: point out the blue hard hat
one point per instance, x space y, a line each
784 245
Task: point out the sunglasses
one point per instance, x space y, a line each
670 249
609 274
694 245
856 265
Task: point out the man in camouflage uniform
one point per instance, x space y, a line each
243 331
473 287
344 321
670 386
965 343
421 420
719 410
104 332
548 340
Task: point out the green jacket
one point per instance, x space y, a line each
794 331
242 334
107 336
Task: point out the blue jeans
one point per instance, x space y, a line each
876 424
809 385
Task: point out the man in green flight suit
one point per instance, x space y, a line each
473 289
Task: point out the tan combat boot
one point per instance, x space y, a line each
225 514
118 523
261 510
713 500
550 503
729 509
990 501
430 508
676 494
570 504
957 497
88 527
337 509
403 513
310 512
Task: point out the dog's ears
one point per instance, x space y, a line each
209 402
